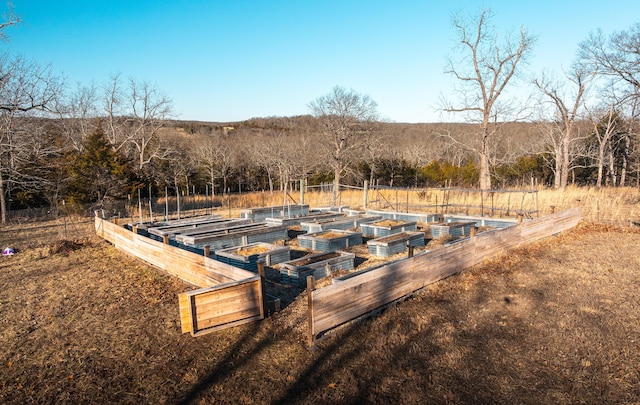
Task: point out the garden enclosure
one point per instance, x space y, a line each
230 296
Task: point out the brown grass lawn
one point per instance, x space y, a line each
555 322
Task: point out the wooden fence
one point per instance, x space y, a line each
228 296
356 296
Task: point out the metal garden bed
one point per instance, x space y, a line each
247 256
330 241
454 229
394 244
387 227
317 265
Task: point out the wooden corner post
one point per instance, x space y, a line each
310 288
263 286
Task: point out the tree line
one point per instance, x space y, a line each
96 142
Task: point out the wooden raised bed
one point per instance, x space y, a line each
330 241
396 243
387 227
247 256
318 265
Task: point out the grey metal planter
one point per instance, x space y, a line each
394 244
344 224
330 241
241 257
454 229
319 265
286 211
387 227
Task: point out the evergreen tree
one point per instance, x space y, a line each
99 171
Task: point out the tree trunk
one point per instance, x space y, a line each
600 165
625 160
336 186
485 174
564 178
612 166
3 202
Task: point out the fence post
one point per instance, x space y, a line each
207 250
301 192
310 288
365 199
263 286
410 248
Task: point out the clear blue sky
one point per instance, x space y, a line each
233 60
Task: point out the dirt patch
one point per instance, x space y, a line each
254 250
64 246
553 322
329 235
388 222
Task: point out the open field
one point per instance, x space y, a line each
554 322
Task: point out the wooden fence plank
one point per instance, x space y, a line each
230 296
338 303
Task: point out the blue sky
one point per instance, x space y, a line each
234 60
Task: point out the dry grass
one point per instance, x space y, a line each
388 222
253 250
554 322
615 206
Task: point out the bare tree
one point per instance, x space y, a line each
25 88
616 57
150 110
605 126
348 118
11 18
484 70
114 107
78 115
561 129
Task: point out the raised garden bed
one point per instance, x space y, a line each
387 227
344 224
407 216
247 256
318 265
157 232
497 223
322 216
285 211
225 239
453 229
330 241
394 244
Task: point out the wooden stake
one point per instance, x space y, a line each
264 287
165 239
310 288
207 250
